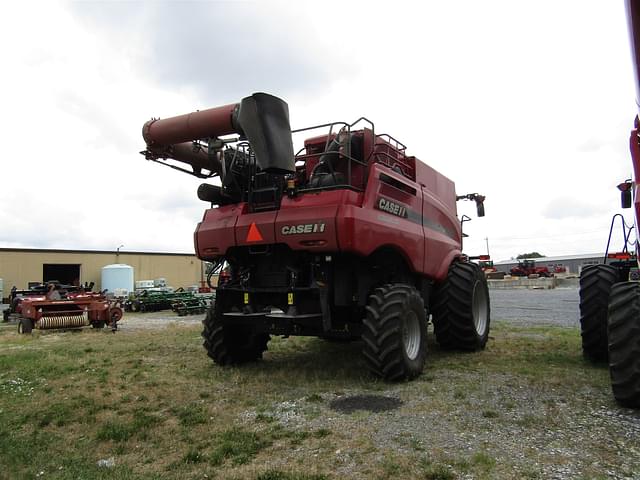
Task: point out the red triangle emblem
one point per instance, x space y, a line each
254 234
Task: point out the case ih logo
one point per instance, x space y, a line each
392 207
304 228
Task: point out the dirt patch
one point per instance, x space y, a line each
367 403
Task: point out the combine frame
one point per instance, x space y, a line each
610 291
350 237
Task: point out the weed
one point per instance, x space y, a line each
190 415
193 456
264 418
490 414
528 421
116 431
483 461
321 433
438 472
121 432
237 445
280 475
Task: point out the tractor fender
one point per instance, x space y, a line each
447 261
115 314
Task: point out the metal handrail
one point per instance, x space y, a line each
626 233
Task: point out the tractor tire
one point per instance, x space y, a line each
462 311
5 315
624 343
229 345
98 325
595 286
25 326
395 332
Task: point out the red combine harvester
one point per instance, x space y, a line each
70 307
349 238
610 292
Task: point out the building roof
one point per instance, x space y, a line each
558 259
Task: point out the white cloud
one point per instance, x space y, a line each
530 104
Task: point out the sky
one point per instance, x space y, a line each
527 103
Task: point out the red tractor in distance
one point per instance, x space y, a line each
610 291
528 267
347 238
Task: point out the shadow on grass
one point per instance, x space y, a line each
313 359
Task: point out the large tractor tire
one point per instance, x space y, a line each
227 344
595 286
395 332
624 343
462 311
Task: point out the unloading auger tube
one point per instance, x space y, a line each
194 138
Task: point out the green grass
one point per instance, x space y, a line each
154 402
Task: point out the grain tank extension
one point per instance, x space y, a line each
348 237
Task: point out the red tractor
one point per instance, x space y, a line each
610 291
528 267
347 238
56 306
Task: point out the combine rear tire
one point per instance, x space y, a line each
25 326
462 312
395 332
99 324
595 286
624 343
229 345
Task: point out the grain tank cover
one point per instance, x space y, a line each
264 120
117 278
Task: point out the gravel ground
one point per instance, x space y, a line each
530 431
524 307
519 307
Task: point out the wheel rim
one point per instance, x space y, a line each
411 335
20 328
480 310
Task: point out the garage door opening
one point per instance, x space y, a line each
67 274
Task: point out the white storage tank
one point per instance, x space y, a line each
117 278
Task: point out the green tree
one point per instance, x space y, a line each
529 255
